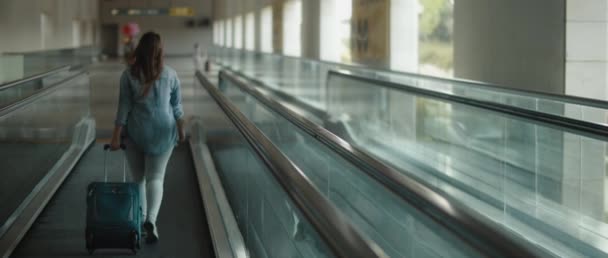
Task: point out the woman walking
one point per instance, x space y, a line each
150 115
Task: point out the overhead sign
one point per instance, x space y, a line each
139 11
173 11
181 11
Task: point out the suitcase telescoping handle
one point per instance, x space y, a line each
105 159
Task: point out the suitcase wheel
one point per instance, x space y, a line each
90 243
135 242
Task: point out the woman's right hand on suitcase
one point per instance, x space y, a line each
115 145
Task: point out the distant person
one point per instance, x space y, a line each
200 59
151 111
197 56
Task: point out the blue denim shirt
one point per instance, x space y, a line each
150 121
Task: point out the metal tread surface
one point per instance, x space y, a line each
24 175
183 230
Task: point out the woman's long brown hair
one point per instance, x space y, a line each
148 63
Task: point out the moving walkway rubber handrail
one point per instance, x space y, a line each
589 129
40 93
476 84
465 223
12 84
342 238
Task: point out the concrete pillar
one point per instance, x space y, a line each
311 29
277 26
586 76
587 48
516 43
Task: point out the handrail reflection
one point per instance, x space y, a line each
342 238
464 222
589 129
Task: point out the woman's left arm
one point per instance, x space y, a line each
178 111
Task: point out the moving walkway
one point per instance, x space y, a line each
246 184
47 216
534 163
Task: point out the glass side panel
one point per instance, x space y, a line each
277 72
399 228
272 226
544 183
23 90
444 142
293 76
529 101
11 68
16 66
34 137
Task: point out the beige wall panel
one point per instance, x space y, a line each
21 19
517 43
277 26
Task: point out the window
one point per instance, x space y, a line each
292 27
335 30
250 31
238 32
421 36
220 34
228 27
215 33
266 30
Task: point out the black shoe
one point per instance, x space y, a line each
144 233
151 233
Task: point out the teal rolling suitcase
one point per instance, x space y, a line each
114 215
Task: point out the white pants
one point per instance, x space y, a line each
149 172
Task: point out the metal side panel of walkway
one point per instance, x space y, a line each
183 229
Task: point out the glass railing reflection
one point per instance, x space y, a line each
541 181
399 228
294 76
271 225
17 66
307 78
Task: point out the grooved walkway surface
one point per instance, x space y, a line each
59 231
